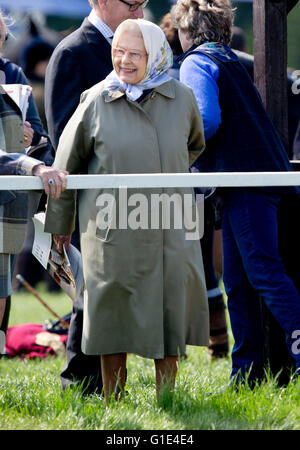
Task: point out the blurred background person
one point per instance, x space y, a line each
171 33
238 39
35 57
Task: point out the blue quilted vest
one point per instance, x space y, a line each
246 140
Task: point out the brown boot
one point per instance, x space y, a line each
218 341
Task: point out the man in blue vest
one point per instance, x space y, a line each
80 61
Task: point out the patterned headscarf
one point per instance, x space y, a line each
160 60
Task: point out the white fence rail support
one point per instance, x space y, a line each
163 180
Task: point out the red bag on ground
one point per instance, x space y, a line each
31 340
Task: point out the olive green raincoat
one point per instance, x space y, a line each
145 288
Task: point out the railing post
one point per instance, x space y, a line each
270 77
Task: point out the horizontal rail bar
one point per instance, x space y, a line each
157 180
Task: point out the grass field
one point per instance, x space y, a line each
31 397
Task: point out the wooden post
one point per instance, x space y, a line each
270 77
270 60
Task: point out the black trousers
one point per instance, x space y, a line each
5 319
81 369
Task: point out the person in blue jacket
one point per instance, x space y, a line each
240 137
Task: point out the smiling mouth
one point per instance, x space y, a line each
126 70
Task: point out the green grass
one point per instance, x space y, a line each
25 308
31 397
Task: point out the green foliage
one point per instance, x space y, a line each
244 19
25 308
294 38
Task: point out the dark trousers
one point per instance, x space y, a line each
207 241
80 368
253 268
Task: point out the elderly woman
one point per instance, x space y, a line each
145 288
240 137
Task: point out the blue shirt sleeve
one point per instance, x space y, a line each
201 74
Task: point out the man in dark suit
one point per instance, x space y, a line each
80 61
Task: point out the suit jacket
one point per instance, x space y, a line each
79 61
13 204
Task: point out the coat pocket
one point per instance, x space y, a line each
106 204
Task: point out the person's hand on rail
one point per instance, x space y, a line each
54 180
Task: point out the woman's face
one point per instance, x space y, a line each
184 41
129 57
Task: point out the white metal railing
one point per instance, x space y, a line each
156 180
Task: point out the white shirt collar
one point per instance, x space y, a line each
101 26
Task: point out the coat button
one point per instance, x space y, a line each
152 95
